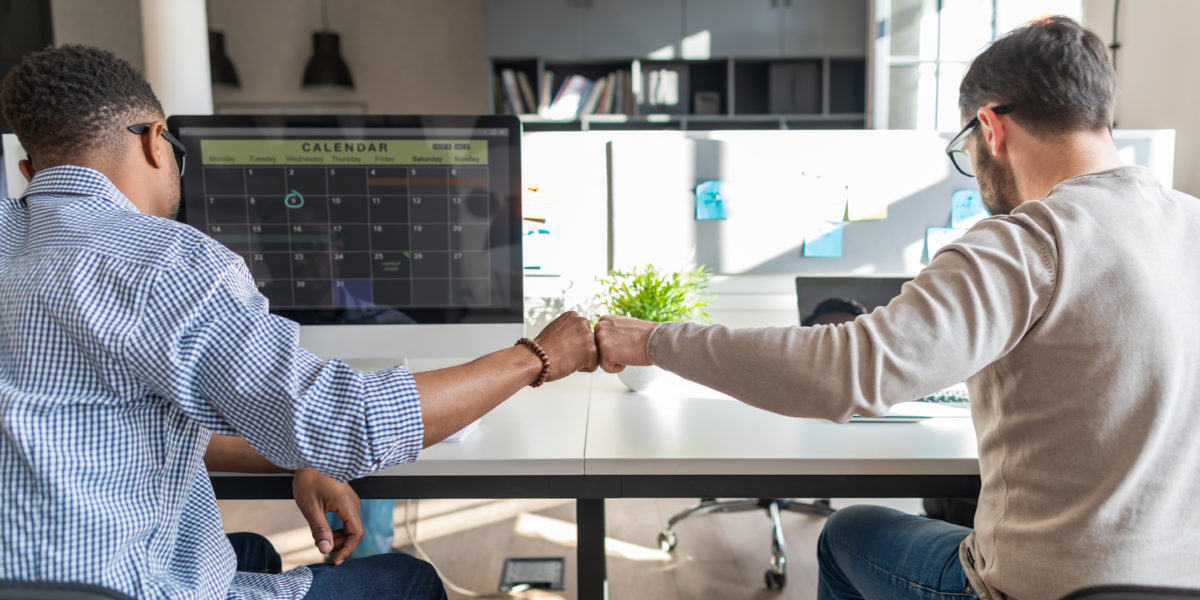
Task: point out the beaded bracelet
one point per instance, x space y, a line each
541 354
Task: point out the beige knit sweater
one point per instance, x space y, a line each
1077 322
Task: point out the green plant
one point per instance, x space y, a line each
653 295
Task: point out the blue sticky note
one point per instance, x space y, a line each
824 240
709 203
966 209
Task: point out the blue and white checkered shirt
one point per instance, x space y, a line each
125 339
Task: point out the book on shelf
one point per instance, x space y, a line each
579 96
527 98
593 99
570 98
547 86
512 96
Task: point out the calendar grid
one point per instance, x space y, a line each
344 237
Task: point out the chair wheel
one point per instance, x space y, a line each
775 581
666 541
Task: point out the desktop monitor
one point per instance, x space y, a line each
384 237
870 291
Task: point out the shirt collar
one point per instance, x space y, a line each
71 180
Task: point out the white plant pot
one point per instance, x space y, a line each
640 379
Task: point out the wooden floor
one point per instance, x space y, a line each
718 556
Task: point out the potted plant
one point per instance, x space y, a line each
653 295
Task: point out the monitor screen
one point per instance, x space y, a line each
365 219
870 291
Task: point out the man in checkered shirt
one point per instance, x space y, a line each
135 352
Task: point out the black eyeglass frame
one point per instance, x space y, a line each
176 145
955 145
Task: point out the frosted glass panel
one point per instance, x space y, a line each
966 28
911 94
948 116
1011 14
914 29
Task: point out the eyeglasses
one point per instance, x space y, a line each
956 148
176 145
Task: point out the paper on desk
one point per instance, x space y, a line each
824 240
938 237
966 209
927 409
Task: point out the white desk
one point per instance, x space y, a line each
536 432
685 429
589 439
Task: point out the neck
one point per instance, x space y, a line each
1047 164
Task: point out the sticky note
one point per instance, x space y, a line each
826 198
966 209
824 240
861 207
938 237
709 203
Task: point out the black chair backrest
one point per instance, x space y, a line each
56 590
1132 592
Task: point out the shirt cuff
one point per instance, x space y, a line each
656 338
393 410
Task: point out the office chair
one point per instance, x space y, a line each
775 576
1132 592
56 590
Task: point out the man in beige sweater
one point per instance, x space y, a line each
1072 313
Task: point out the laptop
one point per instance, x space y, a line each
865 294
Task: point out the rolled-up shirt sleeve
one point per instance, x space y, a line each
969 307
207 343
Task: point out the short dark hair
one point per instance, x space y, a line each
834 305
1054 72
66 101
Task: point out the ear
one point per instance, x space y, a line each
994 131
26 167
151 145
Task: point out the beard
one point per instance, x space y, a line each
174 193
173 208
997 183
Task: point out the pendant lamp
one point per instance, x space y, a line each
326 67
220 67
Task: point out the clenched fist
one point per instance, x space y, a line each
622 341
569 342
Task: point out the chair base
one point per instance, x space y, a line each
775 576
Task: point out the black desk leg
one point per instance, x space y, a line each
589 554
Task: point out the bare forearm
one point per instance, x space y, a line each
233 454
452 398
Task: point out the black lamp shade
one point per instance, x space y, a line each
220 66
326 66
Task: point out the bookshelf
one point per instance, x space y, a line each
822 92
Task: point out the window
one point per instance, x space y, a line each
923 48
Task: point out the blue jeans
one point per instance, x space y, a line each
872 552
393 576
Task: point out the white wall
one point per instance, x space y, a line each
1157 74
115 25
416 56
410 56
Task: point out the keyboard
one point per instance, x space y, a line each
950 402
955 395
